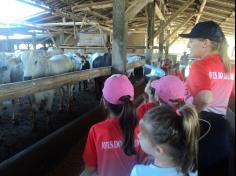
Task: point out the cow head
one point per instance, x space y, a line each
33 64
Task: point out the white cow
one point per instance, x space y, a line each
11 70
36 66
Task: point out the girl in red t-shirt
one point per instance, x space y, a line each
210 83
112 147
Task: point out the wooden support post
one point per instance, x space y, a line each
119 42
150 31
161 36
167 46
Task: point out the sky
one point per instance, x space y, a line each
12 11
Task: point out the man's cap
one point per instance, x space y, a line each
169 89
207 30
117 86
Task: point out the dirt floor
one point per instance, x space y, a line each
14 138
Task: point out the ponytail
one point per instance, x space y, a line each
178 130
128 122
191 133
223 51
222 47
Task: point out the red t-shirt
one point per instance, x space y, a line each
103 150
209 74
141 109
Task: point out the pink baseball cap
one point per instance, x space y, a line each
169 88
117 86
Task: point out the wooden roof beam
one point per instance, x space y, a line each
164 6
95 5
92 23
230 16
223 3
90 11
135 8
174 16
214 15
178 27
184 31
159 13
201 10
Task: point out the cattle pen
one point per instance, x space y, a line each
127 35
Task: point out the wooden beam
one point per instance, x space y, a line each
201 11
120 35
223 3
19 89
178 28
150 10
135 8
184 31
92 23
135 64
159 13
92 12
226 19
95 5
100 47
214 15
164 6
173 17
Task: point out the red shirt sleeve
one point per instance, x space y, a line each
90 152
198 78
144 108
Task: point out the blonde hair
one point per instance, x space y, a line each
222 48
178 132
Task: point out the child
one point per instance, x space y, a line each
112 147
171 137
150 100
176 72
160 91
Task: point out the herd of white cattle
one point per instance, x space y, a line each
31 64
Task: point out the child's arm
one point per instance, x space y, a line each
89 171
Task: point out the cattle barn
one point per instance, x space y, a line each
54 61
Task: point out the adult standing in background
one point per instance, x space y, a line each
210 85
184 59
